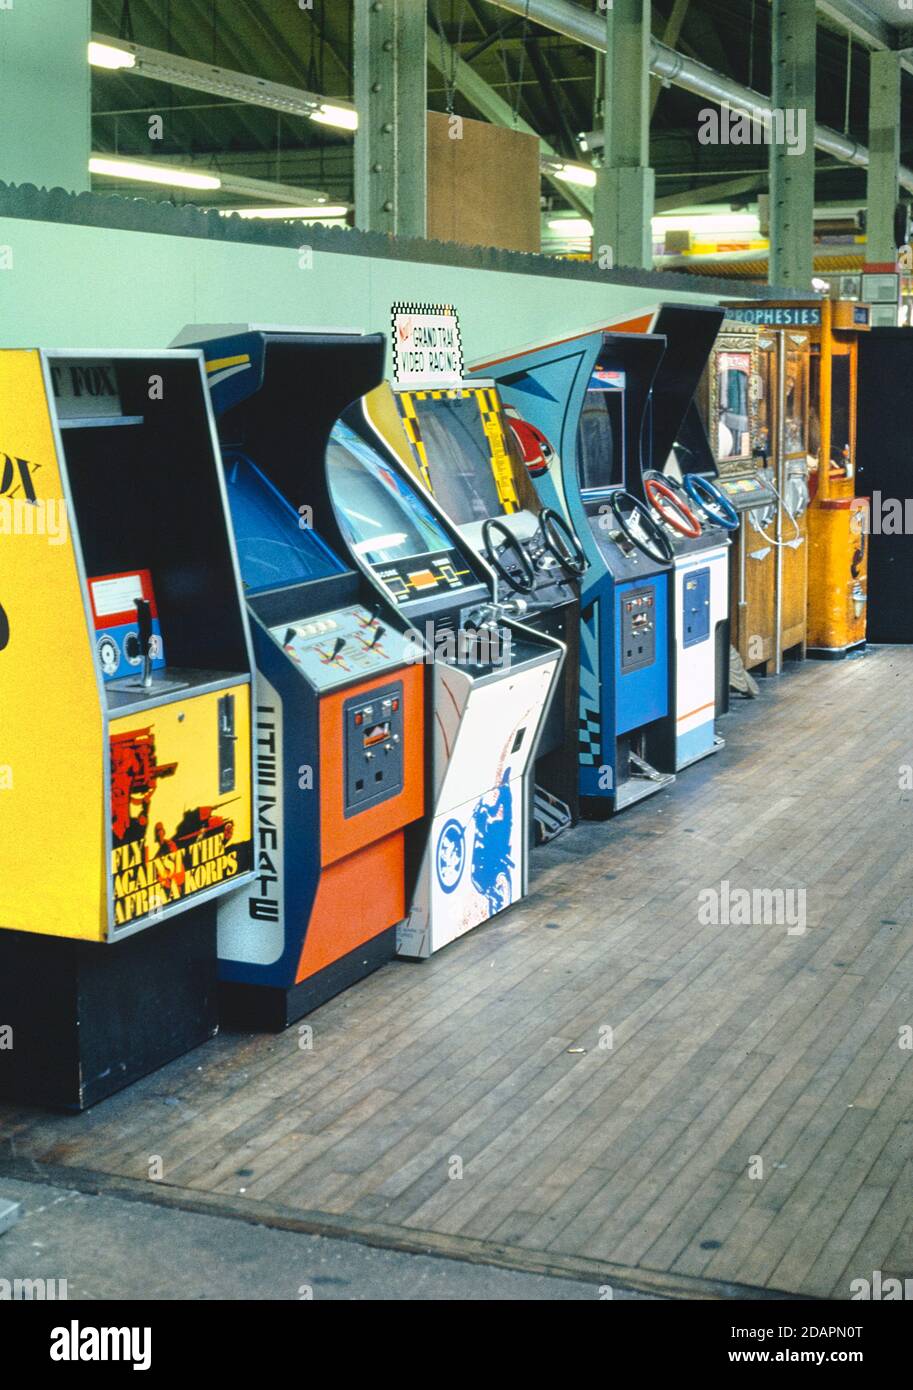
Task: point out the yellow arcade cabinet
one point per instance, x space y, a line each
125 749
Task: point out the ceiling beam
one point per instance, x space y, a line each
859 20
589 29
713 192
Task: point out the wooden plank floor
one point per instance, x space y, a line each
752 1121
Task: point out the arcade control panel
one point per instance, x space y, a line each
553 584
747 491
335 648
624 559
114 613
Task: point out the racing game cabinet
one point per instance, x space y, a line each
698 519
467 452
491 680
590 396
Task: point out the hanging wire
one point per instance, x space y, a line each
449 62
751 28
849 77
516 88
126 23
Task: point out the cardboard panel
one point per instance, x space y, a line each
483 189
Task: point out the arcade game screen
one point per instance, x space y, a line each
459 457
274 549
795 413
600 448
733 373
840 412
762 438
388 524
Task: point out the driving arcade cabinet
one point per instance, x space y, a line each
589 395
125 689
339 717
465 452
698 519
491 679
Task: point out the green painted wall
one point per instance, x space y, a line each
45 79
82 286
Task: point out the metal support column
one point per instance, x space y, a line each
391 96
625 187
884 156
792 144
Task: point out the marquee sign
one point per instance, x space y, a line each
782 317
427 351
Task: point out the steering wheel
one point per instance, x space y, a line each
681 518
526 580
714 501
561 541
661 548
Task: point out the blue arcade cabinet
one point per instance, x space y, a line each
590 397
339 716
697 518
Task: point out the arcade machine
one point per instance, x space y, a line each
838 519
492 679
423 620
784 356
728 401
590 395
466 454
339 722
697 518
885 477
125 694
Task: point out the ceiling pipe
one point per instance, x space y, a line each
671 67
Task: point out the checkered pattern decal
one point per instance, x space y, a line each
590 736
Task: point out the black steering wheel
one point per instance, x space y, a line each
525 581
661 550
561 542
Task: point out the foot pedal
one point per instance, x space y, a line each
639 768
551 815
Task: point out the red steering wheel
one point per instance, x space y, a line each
681 518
